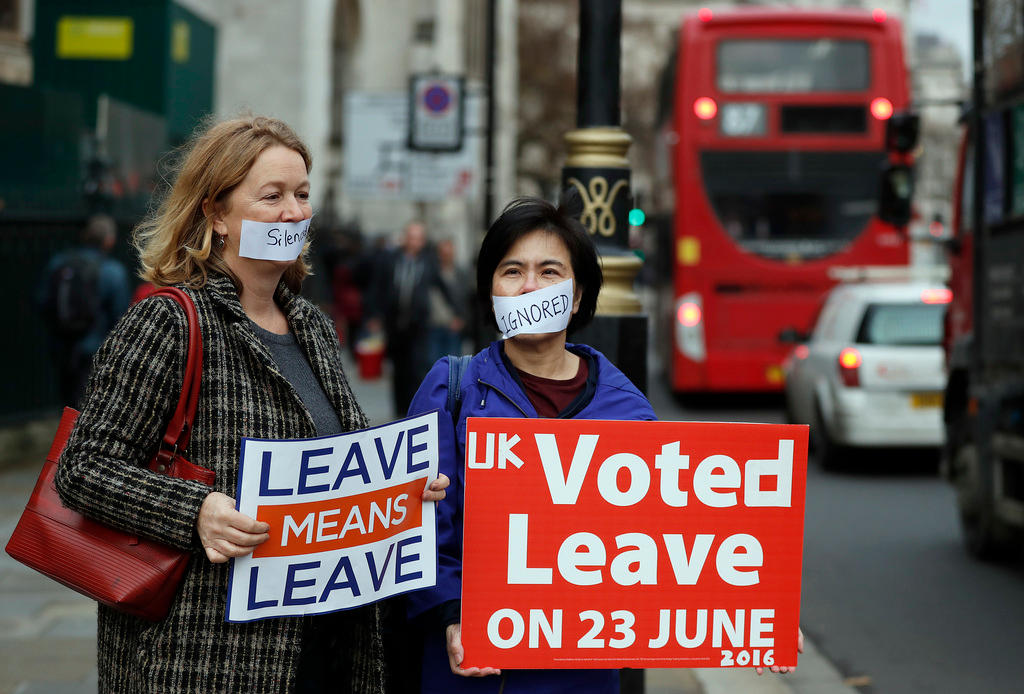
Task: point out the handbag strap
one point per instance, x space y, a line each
179 429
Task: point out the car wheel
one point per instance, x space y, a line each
830 454
984 535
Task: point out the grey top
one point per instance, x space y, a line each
295 368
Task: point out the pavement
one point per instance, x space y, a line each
48 632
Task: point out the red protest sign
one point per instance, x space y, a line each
601 544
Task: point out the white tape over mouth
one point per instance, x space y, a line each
273 240
545 310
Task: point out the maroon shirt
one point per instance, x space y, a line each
550 397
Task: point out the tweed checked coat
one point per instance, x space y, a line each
137 376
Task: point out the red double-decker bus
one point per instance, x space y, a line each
775 123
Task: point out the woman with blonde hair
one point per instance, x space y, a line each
271 369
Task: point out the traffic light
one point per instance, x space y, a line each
895 198
636 216
896 192
901 132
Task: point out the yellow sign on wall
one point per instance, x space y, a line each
94 38
180 41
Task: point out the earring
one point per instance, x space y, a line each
218 241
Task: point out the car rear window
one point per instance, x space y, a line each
902 324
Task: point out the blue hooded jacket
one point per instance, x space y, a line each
489 389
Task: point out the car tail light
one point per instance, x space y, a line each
881 108
849 367
705 14
878 15
936 296
705 108
802 352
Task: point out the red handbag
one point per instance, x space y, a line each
126 572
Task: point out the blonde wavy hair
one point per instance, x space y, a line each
175 243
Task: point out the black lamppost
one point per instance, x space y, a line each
597 168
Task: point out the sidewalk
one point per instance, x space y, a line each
47 632
48 641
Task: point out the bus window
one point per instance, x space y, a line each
823 119
793 65
1017 179
994 194
796 203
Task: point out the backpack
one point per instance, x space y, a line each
71 303
456 367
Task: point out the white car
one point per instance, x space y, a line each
873 371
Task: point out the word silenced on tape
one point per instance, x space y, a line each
668 544
347 524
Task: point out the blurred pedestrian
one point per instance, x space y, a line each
347 295
84 292
448 309
399 305
271 369
532 246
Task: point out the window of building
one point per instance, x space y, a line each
9 16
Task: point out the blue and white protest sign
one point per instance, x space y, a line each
347 524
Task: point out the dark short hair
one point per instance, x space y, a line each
524 216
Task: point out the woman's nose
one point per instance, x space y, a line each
530 283
293 210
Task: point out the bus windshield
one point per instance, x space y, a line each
793 65
792 204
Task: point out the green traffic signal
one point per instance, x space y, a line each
637 217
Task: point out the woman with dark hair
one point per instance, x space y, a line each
538 277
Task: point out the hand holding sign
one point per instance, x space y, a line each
785 670
435 491
226 533
453 636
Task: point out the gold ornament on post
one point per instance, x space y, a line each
595 154
597 214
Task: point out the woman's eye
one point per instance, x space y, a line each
271 197
303 195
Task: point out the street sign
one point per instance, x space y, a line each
436 112
378 163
